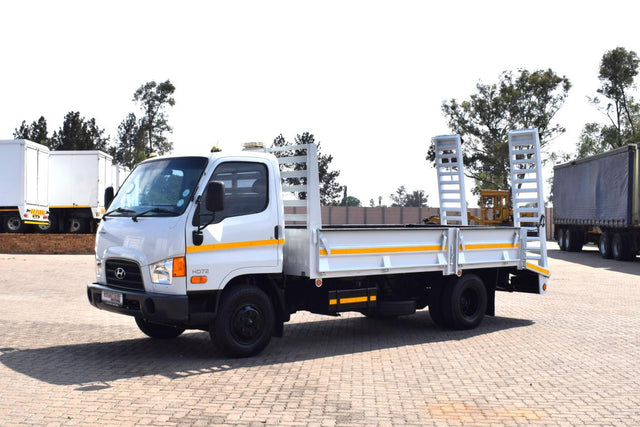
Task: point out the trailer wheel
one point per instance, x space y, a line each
52 227
560 237
78 225
604 245
155 330
464 302
13 224
244 323
573 240
621 247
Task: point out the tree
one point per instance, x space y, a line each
329 187
36 131
526 100
403 198
77 133
618 69
153 98
131 142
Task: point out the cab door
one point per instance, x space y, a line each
242 238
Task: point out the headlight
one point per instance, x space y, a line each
163 272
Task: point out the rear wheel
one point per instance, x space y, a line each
573 240
464 302
156 330
78 225
604 245
13 224
560 237
52 227
244 323
621 247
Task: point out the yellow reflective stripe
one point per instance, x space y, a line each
490 246
356 251
352 300
538 269
8 210
36 222
234 245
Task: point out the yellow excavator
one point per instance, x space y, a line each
495 209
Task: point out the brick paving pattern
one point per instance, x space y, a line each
571 357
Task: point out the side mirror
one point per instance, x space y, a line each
214 197
108 197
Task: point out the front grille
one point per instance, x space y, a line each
124 274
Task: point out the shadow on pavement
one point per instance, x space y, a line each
92 366
590 256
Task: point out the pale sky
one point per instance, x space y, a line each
367 78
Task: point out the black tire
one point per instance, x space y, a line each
435 306
245 322
464 302
52 227
13 224
621 247
604 245
573 240
155 330
560 237
78 225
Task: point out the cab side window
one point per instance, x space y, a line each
245 190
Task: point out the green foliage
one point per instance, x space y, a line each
351 201
153 98
36 131
77 133
330 189
131 144
524 100
618 69
403 198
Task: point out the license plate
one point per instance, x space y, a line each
112 298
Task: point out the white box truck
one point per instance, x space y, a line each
23 185
77 182
207 242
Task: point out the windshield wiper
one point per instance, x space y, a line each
118 210
153 210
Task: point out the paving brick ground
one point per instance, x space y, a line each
571 357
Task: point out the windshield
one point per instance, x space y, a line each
161 187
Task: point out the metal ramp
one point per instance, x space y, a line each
528 200
451 190
299 174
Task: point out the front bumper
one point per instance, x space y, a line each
170 309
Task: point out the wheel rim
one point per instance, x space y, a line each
75 225
14 223
469 303
247 323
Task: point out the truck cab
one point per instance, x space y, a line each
159 242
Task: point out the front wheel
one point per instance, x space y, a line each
156 330
244 323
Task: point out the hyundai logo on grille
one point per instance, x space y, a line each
120 273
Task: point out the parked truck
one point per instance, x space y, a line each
596 200
208 243
23 185
77 182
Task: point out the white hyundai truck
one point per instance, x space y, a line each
211 243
